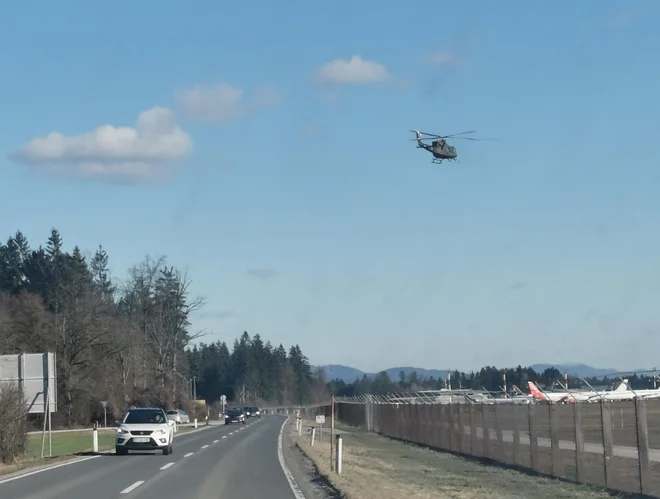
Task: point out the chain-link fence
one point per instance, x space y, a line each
610 444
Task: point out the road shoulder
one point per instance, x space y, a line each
310 480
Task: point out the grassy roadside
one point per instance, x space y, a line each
376 467
67 445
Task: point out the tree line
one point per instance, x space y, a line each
487 378
130 341
255 371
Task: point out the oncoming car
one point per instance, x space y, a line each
235 415
145 429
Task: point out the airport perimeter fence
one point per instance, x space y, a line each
615 445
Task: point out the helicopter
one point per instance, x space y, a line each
440 149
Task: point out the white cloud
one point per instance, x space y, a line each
355 71
443 58
223 103
152 148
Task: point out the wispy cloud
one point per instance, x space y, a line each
262 273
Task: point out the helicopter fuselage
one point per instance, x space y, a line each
443 150
440 150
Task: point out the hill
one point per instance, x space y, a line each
350 374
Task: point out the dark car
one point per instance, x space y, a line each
235 415
255 412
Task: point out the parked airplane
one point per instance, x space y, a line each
622 392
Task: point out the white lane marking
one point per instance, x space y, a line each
231 432
216 441
189 454
166 466
132 487
41 470
287 472
204 446
224 436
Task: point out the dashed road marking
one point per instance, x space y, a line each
189 454
204 446
132 487
216 441
163 468
225 436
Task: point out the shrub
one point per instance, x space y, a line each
13 426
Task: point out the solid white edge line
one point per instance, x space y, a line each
76 461
41 470
132 487
287 472
163 468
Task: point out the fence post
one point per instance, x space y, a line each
339 455
450 423
578 419
517 413
499 439
606 422
533 440
461 428
313 435
473 431
642 446
554 442
485 431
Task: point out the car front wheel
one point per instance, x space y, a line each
121 451
167 450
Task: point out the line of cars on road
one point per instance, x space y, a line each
151 428
240 414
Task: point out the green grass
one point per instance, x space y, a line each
68 443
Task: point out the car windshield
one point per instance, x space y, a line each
145 417
234 411
173 412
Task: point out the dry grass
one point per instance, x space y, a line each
376 467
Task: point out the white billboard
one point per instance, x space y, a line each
34 373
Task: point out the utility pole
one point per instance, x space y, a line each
194 380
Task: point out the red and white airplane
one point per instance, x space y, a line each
622 392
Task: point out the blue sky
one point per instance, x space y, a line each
300 207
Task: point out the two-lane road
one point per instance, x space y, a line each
241 461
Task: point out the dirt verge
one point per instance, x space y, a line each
376 467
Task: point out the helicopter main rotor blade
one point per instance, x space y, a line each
424 133
457 134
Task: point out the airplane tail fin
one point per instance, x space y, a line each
623 386
534 390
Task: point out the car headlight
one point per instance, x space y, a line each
122 431
161 432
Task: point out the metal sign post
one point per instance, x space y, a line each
332 428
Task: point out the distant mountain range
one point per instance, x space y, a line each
350 374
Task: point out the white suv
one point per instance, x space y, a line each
145 429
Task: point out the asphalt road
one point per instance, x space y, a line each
225 461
